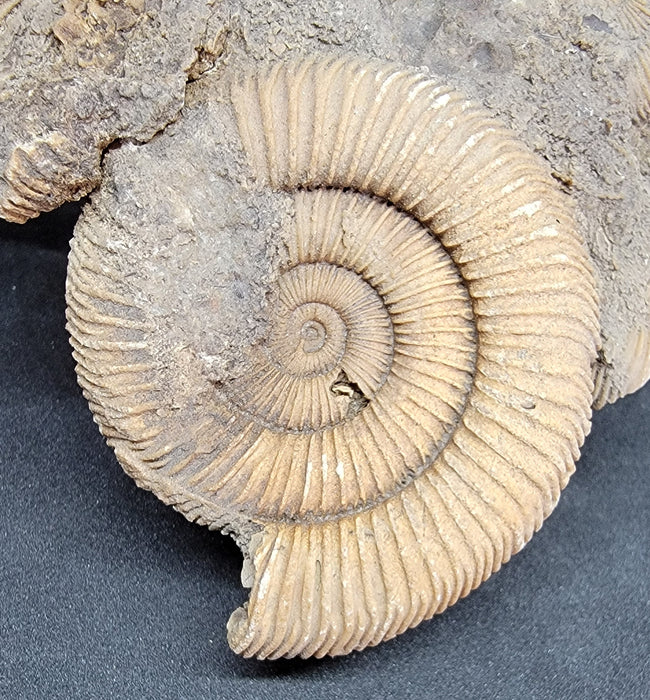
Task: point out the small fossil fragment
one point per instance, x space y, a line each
634 18
44 174
77 75
356 330
637 364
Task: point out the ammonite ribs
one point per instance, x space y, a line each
424 385
44 174
637 364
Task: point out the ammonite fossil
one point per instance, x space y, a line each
341 313
78 77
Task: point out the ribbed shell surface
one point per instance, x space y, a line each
425 385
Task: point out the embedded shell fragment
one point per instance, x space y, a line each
356 331
89 73
634 17
637 364
77 75
6 6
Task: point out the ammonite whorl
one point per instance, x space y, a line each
339 311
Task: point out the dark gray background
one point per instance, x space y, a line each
105 592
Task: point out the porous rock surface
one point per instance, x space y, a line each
568 78
77 75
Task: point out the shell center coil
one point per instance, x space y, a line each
309 340
363 374
326 323
314 335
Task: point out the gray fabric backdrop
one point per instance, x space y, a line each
105 592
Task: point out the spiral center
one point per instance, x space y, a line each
308 338
314 336
326 322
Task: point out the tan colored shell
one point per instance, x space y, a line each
424 384
637 363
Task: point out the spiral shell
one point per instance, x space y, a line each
422 386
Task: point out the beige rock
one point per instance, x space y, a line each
75 77
362 345
570 78
633 16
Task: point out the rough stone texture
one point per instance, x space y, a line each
373 370
571 79
78 75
